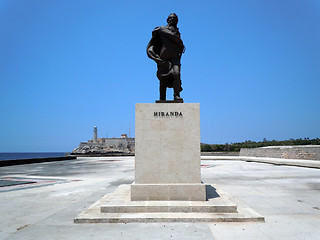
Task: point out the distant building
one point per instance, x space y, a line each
95 134
106 146
124 136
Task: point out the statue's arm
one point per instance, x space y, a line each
151 54
151 47
182 48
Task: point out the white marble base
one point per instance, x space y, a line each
118 208
168 192
167 152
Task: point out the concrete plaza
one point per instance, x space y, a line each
55 193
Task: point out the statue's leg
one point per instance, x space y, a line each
176 82
163 90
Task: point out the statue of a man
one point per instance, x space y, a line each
166 48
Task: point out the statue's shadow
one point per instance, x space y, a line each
211 192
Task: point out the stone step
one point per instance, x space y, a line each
118 208
120 202
183 207
167 217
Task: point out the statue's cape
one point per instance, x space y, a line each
164 67
154 46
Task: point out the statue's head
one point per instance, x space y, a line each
172 20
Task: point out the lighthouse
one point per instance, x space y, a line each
95 134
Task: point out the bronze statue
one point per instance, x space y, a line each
166 48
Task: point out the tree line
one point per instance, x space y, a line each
235 147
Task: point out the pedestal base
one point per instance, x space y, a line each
168 192
118 208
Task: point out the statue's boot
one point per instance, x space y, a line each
177 87
176 96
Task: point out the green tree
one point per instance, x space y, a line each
206 148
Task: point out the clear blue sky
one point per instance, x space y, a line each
67 65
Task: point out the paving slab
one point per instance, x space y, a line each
287 196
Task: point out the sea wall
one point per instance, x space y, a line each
5 163
311 152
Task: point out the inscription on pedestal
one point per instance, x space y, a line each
167 114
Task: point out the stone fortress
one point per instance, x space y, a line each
106 146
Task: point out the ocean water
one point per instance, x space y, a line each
27 155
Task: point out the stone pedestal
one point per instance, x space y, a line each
167 153
168 185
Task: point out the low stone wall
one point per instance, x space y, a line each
5 163
311 152
219 153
